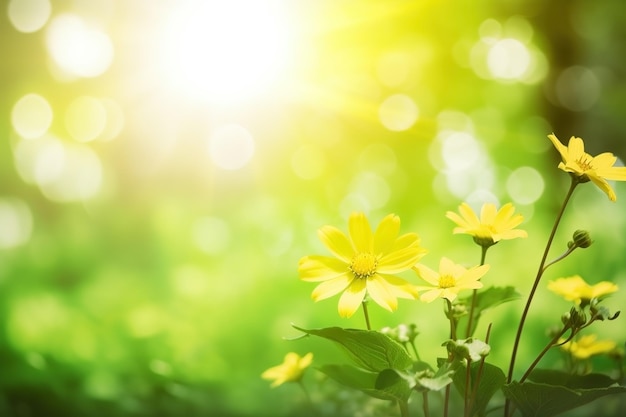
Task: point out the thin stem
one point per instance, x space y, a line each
417 355
540 270
468 374
479 373
367 316
425 407
543 352
470 320
308 396
450 317
446 401
404 408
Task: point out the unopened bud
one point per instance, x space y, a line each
582 239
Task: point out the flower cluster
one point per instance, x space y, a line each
366 264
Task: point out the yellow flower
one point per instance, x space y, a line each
450 279
598 169
493 225
365 263
291 370
575 289
588 346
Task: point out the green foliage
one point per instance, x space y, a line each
371 350
553 392
486 298
490 381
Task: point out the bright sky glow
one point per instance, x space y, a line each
308 162
226 51
29 15
78 49
31 116
231 147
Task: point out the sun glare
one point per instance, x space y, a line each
226 51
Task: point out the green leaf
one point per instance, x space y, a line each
491 380
553 392
485 299
391 383
371 350
386 385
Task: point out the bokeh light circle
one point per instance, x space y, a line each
78 49
31 116
398 112
85 118
16 222
211 235
231 147
29 16
508 59
525 185
577 88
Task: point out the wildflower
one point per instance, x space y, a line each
365 263
493 225
585 167
450 279
575 289
291 370
588 346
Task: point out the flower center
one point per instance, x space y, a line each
584 163
363 265
446 281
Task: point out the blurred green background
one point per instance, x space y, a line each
164 164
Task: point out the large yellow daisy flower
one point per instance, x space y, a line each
493 225
364 263
450 280
291 370
575 289
597 169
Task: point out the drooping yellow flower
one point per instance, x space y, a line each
450 280
291 370
588 346
493 225
364 263
576 289
596 169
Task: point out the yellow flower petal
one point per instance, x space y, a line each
559 146
430 295
399 260
379 290
360 233
332 287
386 234
320 268
337 242
400 287
488 213
427 274
351 298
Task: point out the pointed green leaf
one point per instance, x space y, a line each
485 299
554 392
371 350
390 382
491 380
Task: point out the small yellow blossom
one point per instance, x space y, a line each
575 289
493 225
291 370
596 169
450 280
588 346
364 263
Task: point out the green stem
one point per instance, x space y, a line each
404 408
446 401
518 335
470 320
468 374
425 407
551 343
450 317
479 373
308 396
367 316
